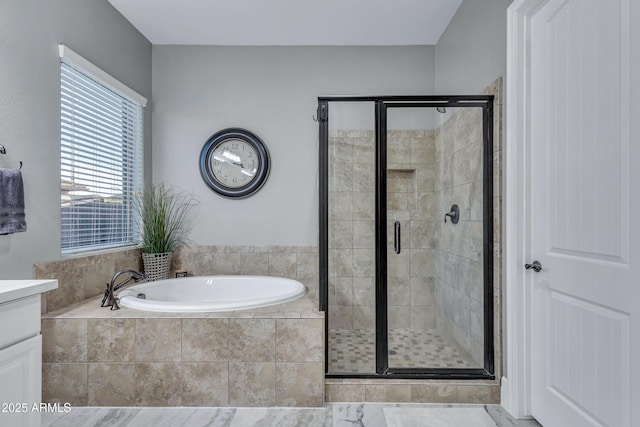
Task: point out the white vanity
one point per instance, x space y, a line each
21 351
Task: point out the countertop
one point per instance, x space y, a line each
15 289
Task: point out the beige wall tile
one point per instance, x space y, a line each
345 392
110 340
64 340
476 394
205 384
252 340
283 265
205 340
300 384
307 265
364 317
341 234
97 277
254 263
226 263
157 340
64 383
388 393
111 384
158 384
253 384
299 340
434 393
70 289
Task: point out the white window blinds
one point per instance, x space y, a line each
101 162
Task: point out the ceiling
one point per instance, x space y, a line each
289 22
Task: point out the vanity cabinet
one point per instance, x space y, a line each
21 351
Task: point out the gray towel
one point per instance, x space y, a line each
12 218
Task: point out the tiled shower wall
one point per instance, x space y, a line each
410 200
352 229
459 248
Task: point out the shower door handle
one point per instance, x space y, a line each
397 243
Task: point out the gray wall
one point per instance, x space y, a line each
273 92
471 53
30 31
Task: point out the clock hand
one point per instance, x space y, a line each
238 164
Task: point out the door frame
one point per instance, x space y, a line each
381 103
516 382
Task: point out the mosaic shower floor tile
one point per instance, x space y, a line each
354 350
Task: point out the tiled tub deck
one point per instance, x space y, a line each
272 356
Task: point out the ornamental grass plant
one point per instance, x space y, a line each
163 217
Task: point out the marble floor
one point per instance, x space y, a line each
334 414
354 351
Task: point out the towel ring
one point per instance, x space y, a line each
4 151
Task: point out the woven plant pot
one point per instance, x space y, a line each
157 266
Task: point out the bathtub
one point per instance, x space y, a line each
211 293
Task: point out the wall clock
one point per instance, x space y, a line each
234 163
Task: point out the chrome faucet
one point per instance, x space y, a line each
109 300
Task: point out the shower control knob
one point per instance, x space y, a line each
535 266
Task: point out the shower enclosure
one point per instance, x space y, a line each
405 236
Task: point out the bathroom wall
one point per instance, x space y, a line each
30 31
472 51
272 91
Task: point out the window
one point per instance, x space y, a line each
101 156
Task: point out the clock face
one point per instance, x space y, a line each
234 163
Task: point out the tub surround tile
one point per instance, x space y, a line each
65 383
252 263
110 340
253 385
64 340
225 263
185 358
111 384
300 384
83 277
205 340
158 384
252 340
205 384
158 340
283 265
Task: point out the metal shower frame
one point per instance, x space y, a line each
382 103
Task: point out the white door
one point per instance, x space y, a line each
585 206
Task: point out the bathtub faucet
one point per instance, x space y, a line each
109 300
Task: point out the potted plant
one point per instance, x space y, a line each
163 214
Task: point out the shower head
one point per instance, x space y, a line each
441 110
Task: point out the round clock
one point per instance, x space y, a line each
234 163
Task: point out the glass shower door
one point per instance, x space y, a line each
435 304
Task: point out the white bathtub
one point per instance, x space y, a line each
211 293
